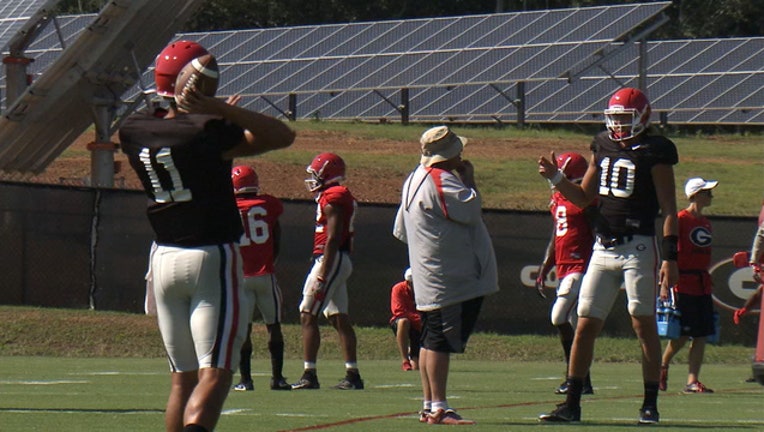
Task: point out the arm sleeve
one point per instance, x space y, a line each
757 249
462 204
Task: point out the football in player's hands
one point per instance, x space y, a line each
200 74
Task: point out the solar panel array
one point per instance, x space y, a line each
13 15
467 68
452 65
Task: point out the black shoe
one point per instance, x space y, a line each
563 389
280 384
648 416
563 413
308 381
352 381
244 386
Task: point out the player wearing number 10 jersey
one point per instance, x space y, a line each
183 161
631 174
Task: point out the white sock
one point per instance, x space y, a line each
351 365
309 365
436 405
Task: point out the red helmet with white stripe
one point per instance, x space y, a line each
245 180
627 114
170 61
573 165
326 169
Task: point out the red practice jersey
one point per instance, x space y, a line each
402 305
573 238
694 257
259 216
341 198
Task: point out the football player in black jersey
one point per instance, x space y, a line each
631 174
183 160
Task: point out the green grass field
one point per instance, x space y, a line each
88 371
107 394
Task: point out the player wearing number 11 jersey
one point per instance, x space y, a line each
631 174
183 161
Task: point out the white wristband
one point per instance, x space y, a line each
556 178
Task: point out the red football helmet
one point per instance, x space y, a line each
627 101
573 165
245 180
170 61
326 168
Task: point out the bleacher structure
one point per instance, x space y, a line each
546 66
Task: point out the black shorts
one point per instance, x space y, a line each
697 314
448 329
415 338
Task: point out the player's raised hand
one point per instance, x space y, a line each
548 167
233 100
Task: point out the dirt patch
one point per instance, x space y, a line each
285 180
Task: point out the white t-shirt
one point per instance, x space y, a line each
450 250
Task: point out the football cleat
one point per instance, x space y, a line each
244 386
648 416
696 387
562 414
424 415
308 381
280 384
447 417
352 381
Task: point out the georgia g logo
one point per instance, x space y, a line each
701 237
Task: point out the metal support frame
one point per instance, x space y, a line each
292 113
518 101
16 63
289 113
102 149
642 63
402 108
572 73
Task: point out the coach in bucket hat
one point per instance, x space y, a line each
697 184
440 144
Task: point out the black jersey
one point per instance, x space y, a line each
188 183
628 202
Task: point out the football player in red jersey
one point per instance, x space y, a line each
692 294
631 174
259 249
406 321
569 250
325 287
183 161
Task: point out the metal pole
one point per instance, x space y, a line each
292 107
520 103
642 64
16 78
102 149
404 107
